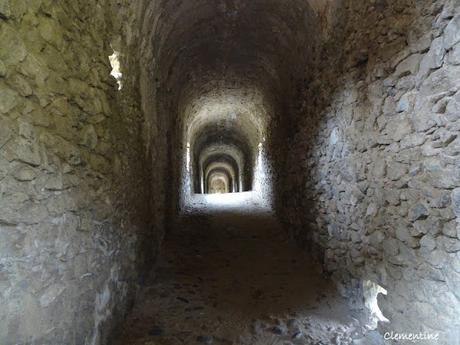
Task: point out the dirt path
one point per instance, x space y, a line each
234 279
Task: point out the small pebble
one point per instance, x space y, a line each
292 323
206 339
156 331
183 299
277 330
297 335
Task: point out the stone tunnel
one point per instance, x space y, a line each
229 172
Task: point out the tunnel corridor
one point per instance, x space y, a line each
263 172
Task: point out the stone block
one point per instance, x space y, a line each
406 102
453 56
12 50
410 65
3 69
441 80
396 171
428 243
8 100
450 245
24 151
51 294
456 202
390 247
28 213
25 173
5 9
430 225
398 127
452 33
417 212
453 108
447 177
89 137
437 258
51 32
433 59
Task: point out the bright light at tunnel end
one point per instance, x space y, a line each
224 132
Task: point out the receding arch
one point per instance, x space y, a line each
221 166
219 181
227 145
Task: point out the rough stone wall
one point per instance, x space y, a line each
373 175
75 181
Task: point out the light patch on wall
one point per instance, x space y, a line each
334 138
116 71
188 157
371 290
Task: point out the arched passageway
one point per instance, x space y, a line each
226 155
225 129
229 172
219 174
219 182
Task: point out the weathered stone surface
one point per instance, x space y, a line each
5 9
437 258
398 128
376 239
454 55
441 80
89 137
447 177
430 225
23 151
20 84
419 211
367 151
408 66
49 190
450 245
453 108
433 59
402 234
50 32
17 209
428 243
449 229
13 50
2 69
452 33
396 170
391 247
50 295
379 168
411 165
456 201
8 100
25 173
55 183
406 102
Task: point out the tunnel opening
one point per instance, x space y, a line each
223 130
225 148
220 164
219 182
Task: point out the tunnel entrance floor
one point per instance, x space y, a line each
230 278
